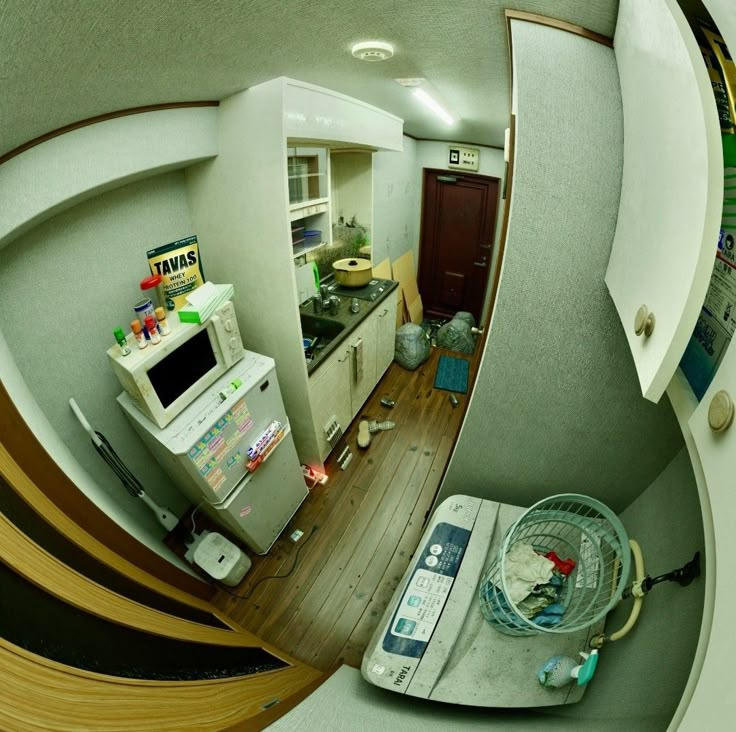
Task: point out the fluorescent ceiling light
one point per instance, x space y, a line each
434 106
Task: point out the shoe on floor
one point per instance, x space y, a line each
364 434
374 426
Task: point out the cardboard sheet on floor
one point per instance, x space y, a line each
403 273
416 311
382 270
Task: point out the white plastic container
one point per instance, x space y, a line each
221 559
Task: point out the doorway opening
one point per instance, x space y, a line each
456 246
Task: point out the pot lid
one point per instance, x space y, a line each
352 264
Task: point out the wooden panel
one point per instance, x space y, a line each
71 700
48 573
671 189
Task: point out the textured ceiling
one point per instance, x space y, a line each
66 60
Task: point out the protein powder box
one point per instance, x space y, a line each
180 266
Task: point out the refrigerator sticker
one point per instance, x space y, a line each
245 511
215 478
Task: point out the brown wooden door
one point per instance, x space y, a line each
458 221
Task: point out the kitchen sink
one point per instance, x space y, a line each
323 328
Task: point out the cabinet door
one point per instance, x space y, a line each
362 363
671 189
386 334
329 396
716 446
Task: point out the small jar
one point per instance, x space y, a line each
163 324
137 329
152 330
143 309
122 341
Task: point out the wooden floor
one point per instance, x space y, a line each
364 525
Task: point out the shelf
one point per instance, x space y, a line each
304 249
308 208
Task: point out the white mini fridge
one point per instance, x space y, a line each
205 451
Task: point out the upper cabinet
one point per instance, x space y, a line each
314 113
671 190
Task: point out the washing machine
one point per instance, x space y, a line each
433 641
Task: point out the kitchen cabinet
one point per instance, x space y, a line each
671 189
330 396
363 362
344 381
386 333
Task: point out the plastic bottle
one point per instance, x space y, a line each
163 324
152 330
122 341
137 329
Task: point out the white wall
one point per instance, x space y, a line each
556 378
649 667
64 286
395 202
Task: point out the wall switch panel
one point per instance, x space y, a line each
463 158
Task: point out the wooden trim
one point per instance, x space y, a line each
455 142
59 521
100 118
54 577
27 454
39 694
559 24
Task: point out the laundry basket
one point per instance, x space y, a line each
576 528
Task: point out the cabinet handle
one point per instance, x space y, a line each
383 313
644 322
720 411
344 358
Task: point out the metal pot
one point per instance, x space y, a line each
353 272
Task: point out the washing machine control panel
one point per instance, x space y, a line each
424 597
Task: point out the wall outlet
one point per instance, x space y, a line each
463 158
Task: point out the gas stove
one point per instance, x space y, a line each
372 291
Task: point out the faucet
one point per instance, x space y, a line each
320 299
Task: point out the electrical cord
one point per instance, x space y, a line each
273 576
194 526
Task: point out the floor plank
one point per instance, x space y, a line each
361 529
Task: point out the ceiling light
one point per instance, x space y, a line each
372 51
434 106
411 81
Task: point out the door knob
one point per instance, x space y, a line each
720 411
482 262
644 322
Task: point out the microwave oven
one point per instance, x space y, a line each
163 379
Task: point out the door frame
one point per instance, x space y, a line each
423 224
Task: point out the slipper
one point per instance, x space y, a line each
364 435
